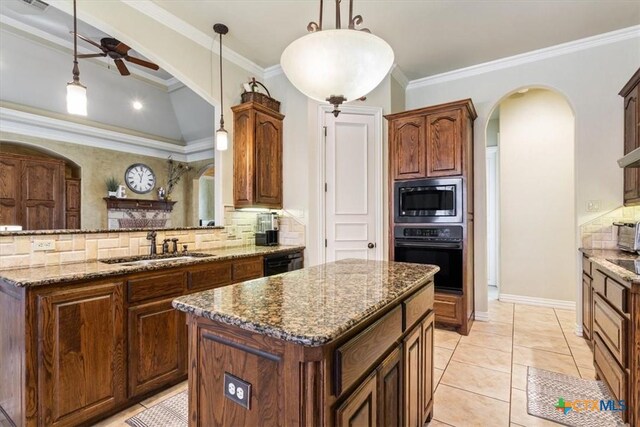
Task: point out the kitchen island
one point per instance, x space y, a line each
345 343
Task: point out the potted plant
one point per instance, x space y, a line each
112 186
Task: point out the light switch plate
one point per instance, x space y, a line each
593 206
237 390
44 245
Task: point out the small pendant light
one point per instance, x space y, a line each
76 92
222 137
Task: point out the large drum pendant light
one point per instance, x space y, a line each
337 65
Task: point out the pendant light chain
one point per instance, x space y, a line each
221 95
76 69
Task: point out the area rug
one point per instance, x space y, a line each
571 401
171 412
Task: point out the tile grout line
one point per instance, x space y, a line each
568 345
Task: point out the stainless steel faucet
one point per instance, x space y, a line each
152 236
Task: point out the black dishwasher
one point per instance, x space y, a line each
281 263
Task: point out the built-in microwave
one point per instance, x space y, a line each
428 200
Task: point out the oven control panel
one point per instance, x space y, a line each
440 233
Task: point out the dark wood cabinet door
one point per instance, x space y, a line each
361 408
72 220
390 382
587 306
427 367
268 161
157 346
81 353
10 189
408 148
72 194
444 143
412 360
631 142
42 195
243 158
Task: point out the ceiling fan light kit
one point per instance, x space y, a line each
76 92
222 137
337 65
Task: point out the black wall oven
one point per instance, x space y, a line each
428 200
433 244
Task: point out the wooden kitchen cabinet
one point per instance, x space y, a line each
72 203
412 356
31 192
257 156
444 143
409 149
630 92
361 408
81 356
157 346
390 410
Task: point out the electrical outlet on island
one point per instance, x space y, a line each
44 245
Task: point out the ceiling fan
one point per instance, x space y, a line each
117 51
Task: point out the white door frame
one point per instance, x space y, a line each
376 112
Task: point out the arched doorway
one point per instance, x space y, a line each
204 196
531 198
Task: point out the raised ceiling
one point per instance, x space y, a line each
428 37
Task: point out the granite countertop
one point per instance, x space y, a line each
63 273
310 306
600 257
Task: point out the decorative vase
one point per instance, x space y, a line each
162 194
112 193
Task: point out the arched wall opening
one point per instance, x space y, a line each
531 207
203 190
72 169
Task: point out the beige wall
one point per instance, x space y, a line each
537 211
98 164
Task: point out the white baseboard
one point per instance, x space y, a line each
482 316
579 331
542 302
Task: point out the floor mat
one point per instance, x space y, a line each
172 412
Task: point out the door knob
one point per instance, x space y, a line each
371 245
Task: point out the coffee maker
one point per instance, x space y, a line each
267 229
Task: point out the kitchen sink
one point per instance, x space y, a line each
155 259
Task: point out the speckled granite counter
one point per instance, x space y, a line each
310 306
600 257
58 274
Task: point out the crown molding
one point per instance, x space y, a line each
399 76
38 126
182 27
273 71
174 84
35 33
528 57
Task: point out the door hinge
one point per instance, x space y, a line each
325 187
325 243
325 130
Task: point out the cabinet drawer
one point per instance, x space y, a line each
598 283
156 286
417 305
586 265
247 269
609 370
616 295
209 276
448 308
611 327
356 356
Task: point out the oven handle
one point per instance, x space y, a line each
425 245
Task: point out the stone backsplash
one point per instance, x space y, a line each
239 229
600 233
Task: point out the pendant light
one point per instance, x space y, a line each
222 137
337 65
76 92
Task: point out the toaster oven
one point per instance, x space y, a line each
628 235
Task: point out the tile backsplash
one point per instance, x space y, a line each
239 229
600 233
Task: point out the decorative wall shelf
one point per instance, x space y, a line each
139 204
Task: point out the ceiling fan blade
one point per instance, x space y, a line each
122 49
92 55
142 62
121 67
88 40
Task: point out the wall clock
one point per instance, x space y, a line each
140 178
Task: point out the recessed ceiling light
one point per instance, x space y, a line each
137 105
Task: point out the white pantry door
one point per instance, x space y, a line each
350 199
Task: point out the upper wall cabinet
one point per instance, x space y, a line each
257 156
430 142
630 92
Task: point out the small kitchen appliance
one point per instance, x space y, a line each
628 236
267 229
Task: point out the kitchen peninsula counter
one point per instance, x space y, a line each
318 346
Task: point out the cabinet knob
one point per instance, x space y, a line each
371 245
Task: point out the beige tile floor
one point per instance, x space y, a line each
481 378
